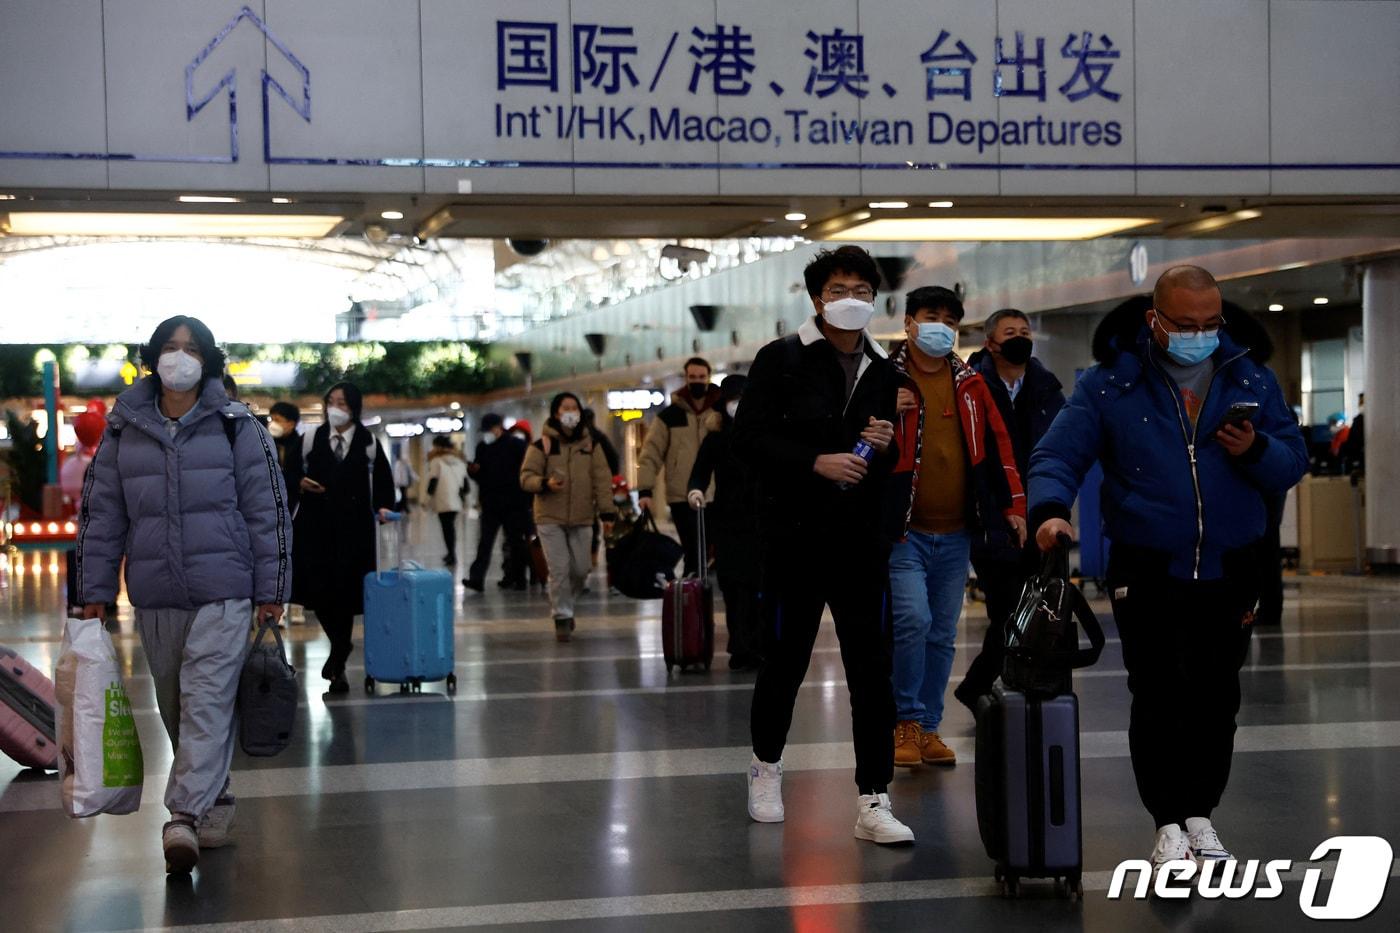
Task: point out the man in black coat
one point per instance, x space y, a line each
496 470
812 398
1028 397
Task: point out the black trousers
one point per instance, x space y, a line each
738 582
338 627
515 547
687 525
448 520
793 599
1002 582
1184 643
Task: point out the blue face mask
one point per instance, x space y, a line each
1190 349
935 339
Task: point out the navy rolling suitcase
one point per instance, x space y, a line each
408 627
688 615
1028 787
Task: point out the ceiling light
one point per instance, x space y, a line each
1210 224
207 199
1319 301
940 204
1275 307
967 229
889 205
281 200
795 216
35 223
392 215
7 197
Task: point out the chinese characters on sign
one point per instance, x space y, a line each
725 60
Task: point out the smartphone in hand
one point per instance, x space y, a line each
1239 413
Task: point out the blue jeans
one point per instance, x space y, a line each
928 577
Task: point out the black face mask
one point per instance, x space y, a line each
1017 350
698 390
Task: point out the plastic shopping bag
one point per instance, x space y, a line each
100 760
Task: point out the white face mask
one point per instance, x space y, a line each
732 408
275 429
848 313
338 417
569 420
179 371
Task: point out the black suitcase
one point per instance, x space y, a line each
1027 775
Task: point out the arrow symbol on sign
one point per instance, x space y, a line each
194 104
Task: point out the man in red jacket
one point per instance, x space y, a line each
956 479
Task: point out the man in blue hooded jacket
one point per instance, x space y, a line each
1185 505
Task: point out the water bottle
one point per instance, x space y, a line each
865 452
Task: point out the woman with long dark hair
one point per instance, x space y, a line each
347 487
185 486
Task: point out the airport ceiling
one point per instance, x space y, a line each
396 218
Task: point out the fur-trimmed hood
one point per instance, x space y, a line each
1123 328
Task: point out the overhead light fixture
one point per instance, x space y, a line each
940 204
795 216
889 205
391 215
1275 307
1319 301
970 229
7 197
281 200
58 223
1211 224
208 199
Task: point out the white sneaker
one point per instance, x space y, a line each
215 830
1204 843
1172 845
875 821
765 791
181 846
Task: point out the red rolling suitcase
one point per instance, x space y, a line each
26 713
688 615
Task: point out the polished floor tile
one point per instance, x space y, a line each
581 787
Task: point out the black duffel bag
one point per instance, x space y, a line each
1042 637
644 561
267 695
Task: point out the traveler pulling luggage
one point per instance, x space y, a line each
26 713
1027 774
408 624
688 614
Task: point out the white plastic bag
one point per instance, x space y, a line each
99 751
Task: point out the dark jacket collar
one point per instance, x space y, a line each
1037 380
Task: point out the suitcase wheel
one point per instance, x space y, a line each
369 685
451 683
403 688
998 875
1011 887
707 666
1074 888
418 686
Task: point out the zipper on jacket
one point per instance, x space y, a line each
1190 438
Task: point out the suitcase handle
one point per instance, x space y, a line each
703 562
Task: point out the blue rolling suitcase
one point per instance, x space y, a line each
408 628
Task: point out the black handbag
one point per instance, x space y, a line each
1042 637
644 561
267 696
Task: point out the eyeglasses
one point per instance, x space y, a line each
1180 328
838 292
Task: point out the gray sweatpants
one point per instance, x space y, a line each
568 551
196 657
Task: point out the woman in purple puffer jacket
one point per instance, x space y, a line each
185 485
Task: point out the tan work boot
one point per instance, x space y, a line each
907 736
933 752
